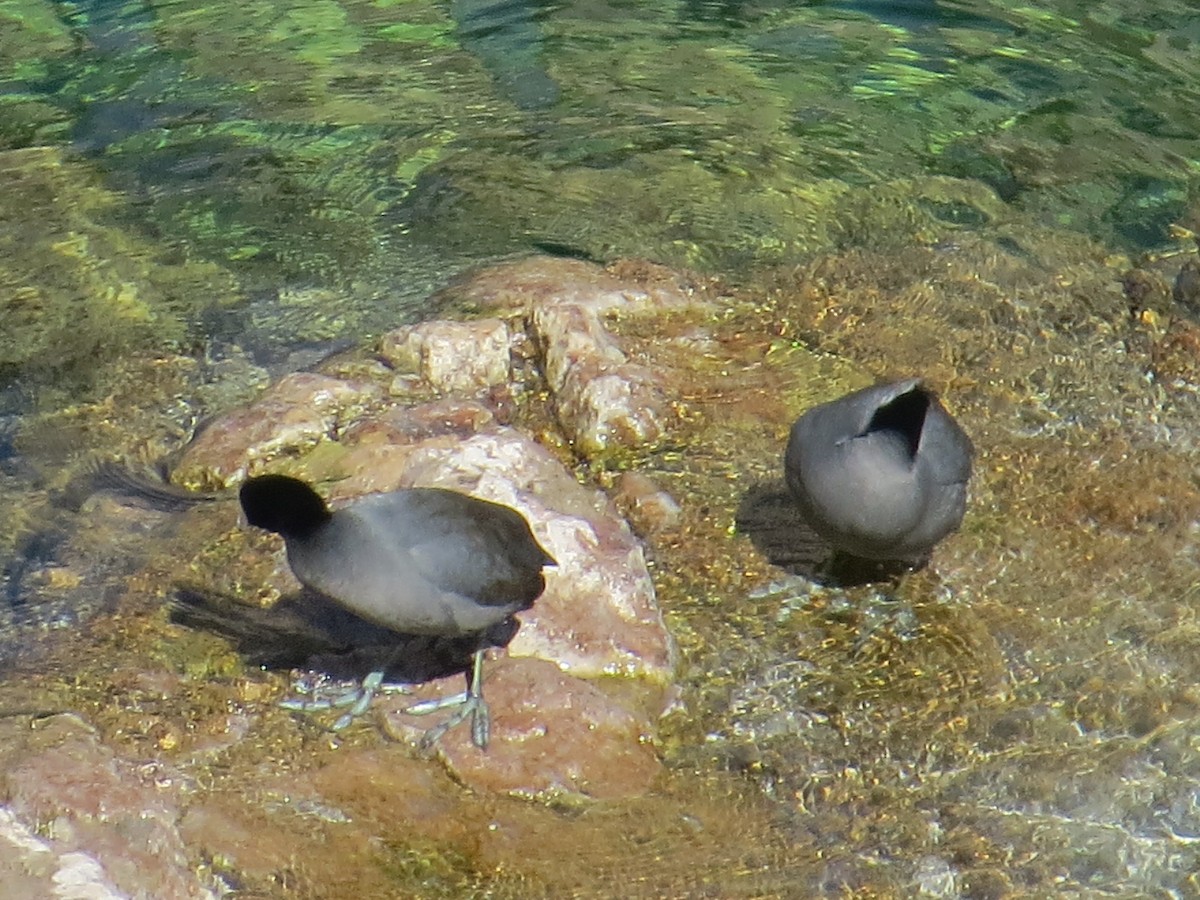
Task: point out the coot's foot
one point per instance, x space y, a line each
469 703
357 699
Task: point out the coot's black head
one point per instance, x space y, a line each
284 505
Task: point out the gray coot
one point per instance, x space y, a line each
880 473
419 561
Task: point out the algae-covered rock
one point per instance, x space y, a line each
75 289
296 414
32 35
346 62
605 401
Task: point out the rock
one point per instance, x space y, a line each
526 284
1186 291
603 401
464 357
551 734
82 294
553 731
1146 291
598 615
341 799
648 507
409 424
32 867
394 783
112 826
1175 357
298 412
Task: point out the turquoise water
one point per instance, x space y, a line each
374 147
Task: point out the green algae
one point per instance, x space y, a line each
33 41
345 63
714 155
31 37
709 126
84 292
312 32
427 35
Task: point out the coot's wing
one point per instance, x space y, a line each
947 447
474 548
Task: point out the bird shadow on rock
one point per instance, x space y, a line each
769 516
307 630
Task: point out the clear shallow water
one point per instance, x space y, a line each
201 196
373 147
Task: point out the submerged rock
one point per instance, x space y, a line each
78 293
297 412
602 749
648 507
1186 290
523 285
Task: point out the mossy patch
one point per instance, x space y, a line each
79 291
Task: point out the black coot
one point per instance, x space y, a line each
880 473
422 561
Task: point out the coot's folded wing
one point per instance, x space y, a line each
472 547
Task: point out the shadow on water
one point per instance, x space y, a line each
101 521
120 84
769 516
307 630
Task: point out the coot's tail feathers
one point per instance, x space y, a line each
141 485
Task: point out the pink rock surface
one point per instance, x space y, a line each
452 356
598 614
112 825
452 417
295 414
33 867
604 400
551 733
258 838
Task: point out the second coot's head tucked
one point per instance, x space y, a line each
880 473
